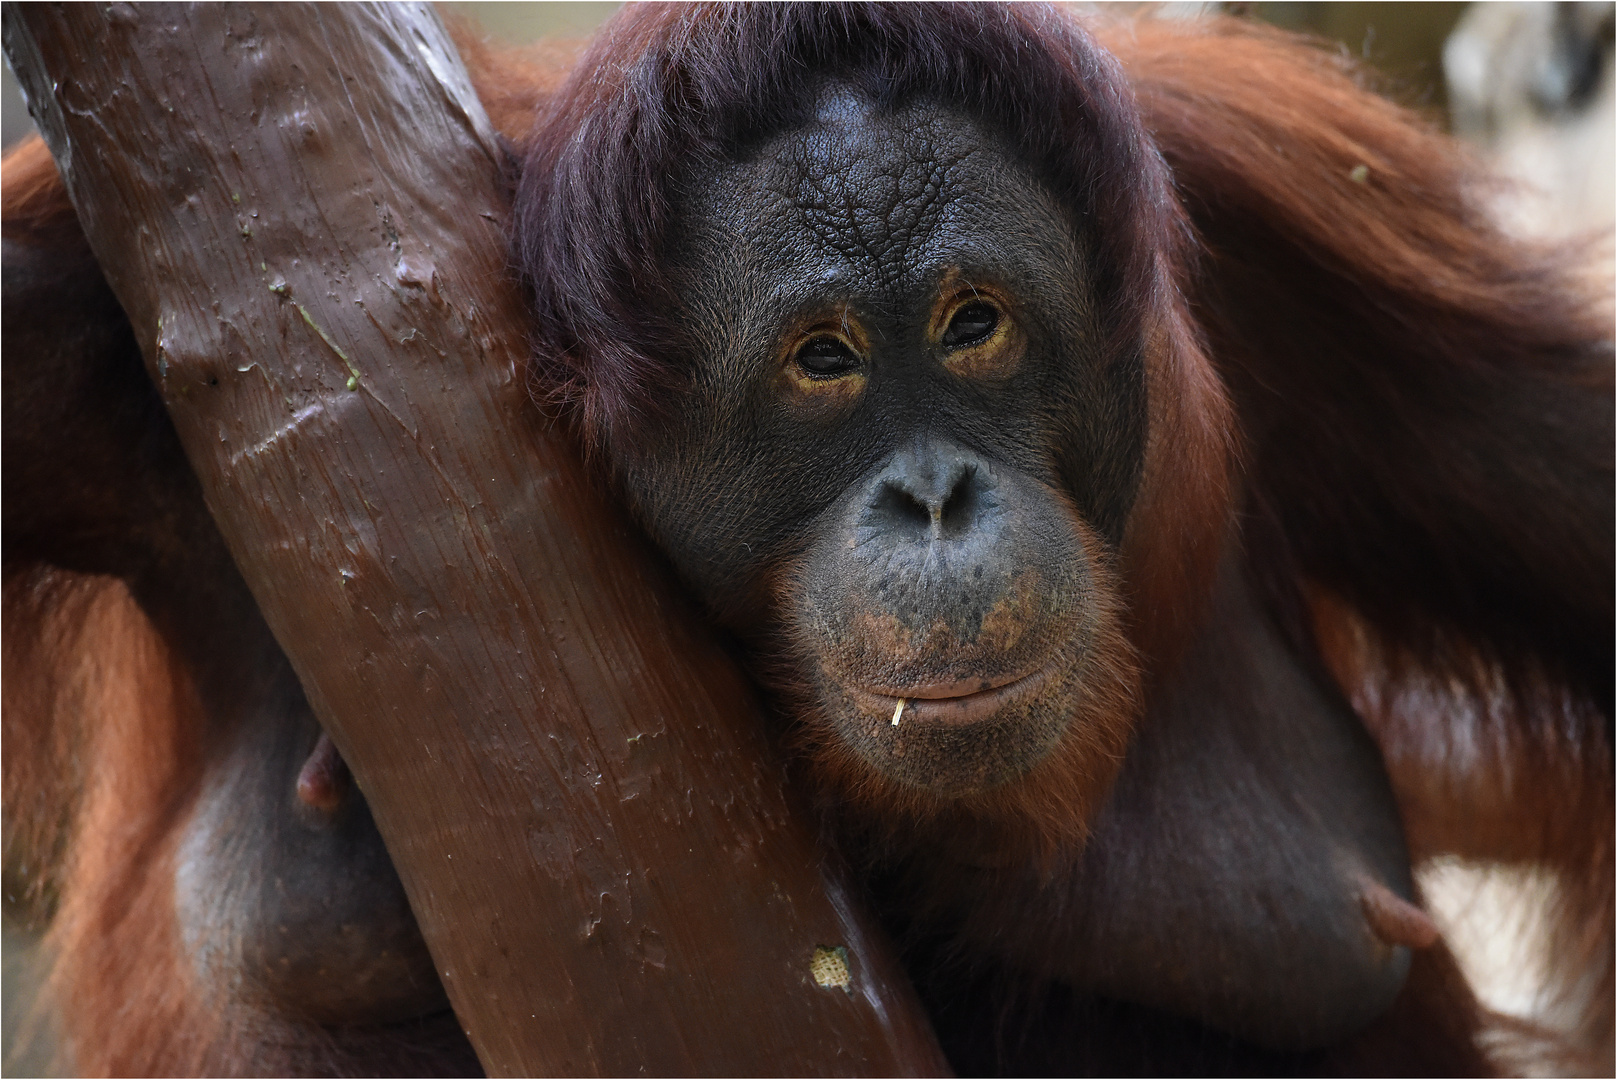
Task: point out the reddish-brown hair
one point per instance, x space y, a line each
1461 594
1409 377
1426 404
664 87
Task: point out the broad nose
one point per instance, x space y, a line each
931 491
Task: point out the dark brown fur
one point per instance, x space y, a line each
1408 380
1411 410
1458 411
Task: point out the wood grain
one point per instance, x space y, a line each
301 210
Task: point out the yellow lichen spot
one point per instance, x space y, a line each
1359 174
830 967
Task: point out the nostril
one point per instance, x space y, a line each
944 506
960 506
900 509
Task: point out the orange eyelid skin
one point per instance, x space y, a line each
805 389
994 357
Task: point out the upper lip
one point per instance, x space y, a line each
955 703
954 688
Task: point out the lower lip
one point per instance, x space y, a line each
959 711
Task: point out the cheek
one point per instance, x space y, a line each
716 501
1100 449
694 516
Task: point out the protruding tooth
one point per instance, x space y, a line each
898 711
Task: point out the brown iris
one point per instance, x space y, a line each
978 336
824 362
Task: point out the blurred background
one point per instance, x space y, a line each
1529 84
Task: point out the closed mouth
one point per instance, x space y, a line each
943 704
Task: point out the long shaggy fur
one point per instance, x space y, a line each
1426 407
1419 405
662 88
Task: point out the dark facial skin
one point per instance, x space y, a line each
890 334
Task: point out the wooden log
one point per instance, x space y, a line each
300 209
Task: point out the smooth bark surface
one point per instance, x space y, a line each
300 209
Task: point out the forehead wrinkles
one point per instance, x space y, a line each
871 189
